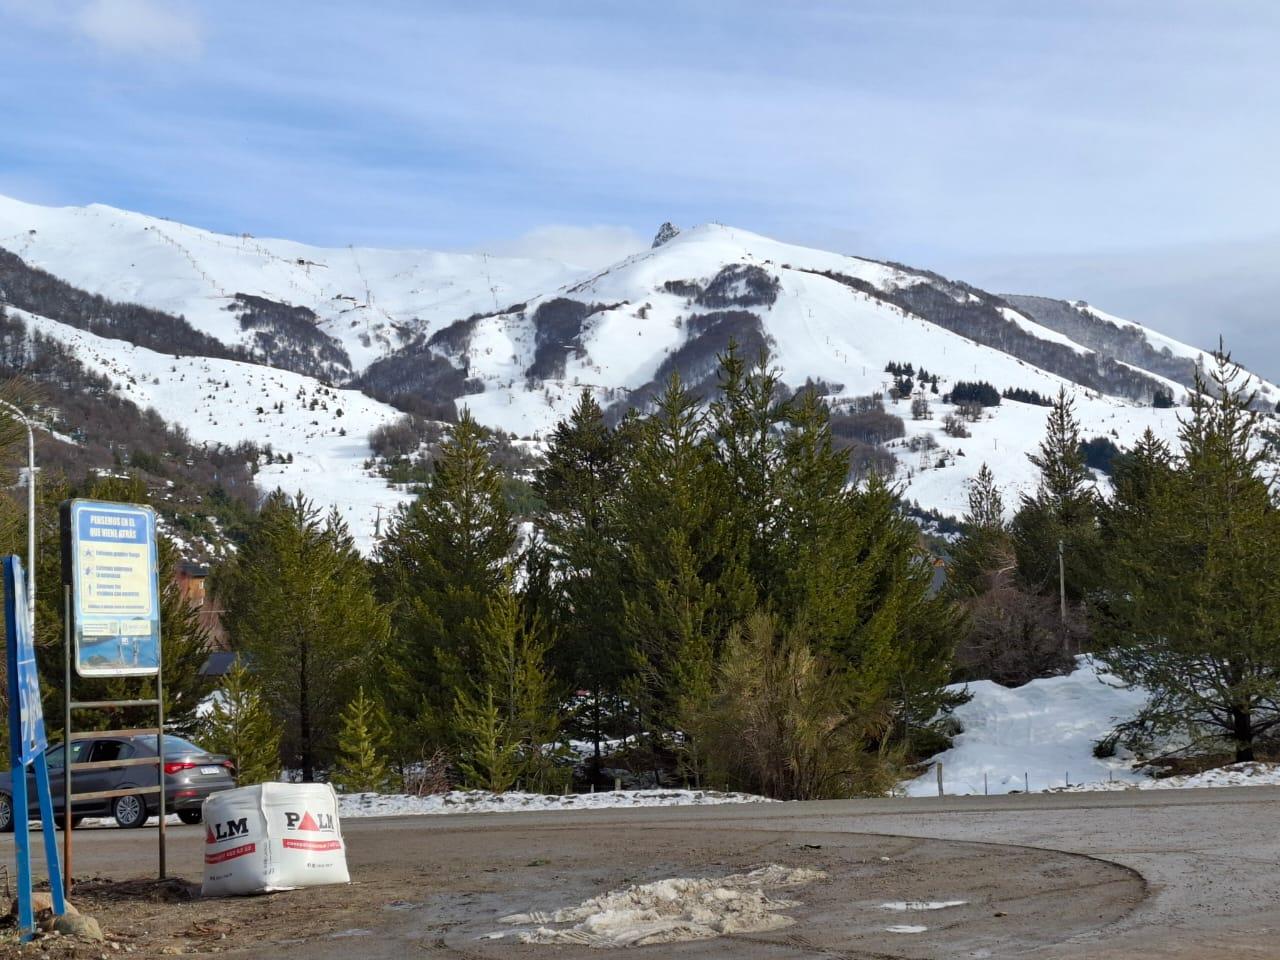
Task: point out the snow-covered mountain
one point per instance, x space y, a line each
308 349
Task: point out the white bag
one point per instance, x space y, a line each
272 836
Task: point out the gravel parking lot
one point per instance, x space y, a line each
1153 874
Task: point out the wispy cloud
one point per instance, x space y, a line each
141 27
163 29
914 131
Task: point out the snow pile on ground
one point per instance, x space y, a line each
1232 775
483 801
672 911
1040 735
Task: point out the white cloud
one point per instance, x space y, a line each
141 27
586 247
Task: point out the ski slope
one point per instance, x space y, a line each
323 430
375 301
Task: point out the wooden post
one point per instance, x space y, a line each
939 769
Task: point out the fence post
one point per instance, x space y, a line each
1026 781
939 769
617 784
985 792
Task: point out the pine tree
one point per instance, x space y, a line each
786 722
746 423
363 740
1009 634
1062 515
579 484
984 548
506 721
242 726
440 565
1189 610
683 573
301 608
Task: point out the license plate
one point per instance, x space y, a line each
211 771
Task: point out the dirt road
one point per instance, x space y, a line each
1177 874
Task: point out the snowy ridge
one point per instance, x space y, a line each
516 340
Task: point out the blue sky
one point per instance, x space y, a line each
1119 151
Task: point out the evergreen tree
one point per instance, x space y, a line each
362 745
1062 515
579 484
506 721
786 722
1190 609
1009 634
683 572
984 546
242 726
441 564
746 422
301 608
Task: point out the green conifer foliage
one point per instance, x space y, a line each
440 565
301 608
242 726
579 485
1190 606
1063 510
506 721
363 739
683 578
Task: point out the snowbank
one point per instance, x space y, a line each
482 801
1040 734
1232 775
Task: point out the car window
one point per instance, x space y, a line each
108 750
79 749
176 745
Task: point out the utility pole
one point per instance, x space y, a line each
31 508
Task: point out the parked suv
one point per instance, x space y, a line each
190 775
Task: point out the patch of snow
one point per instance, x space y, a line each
906 928
1045 730
676 910
1251 774
483 801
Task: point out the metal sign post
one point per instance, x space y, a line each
111 594
27 746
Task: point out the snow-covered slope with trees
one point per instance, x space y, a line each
367 331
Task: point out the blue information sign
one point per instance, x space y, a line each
27 746
115 589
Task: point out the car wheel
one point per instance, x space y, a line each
130 811
191 817
6 813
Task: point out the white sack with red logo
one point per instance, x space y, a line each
272 836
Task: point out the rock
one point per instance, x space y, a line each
668 231
40 902
75 925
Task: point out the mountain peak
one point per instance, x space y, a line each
668 231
